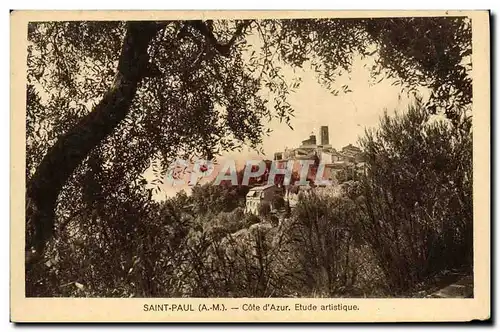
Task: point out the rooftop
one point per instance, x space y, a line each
261 188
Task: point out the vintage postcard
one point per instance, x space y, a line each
220 166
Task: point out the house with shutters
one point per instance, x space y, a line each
257 196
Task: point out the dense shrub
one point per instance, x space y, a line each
324 240
418 196
220 198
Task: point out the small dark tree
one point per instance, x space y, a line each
288 209
278 202
264 209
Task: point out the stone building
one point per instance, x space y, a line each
334 161
258 195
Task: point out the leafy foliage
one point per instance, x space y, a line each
210 197
418 196
435 53
214 89
326 240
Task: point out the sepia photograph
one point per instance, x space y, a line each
251 157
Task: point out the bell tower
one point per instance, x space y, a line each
324 135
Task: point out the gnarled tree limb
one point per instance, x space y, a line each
74 146
206 31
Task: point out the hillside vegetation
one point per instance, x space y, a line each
389 233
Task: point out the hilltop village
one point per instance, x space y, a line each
334 161
349 160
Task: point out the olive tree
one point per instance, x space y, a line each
108 100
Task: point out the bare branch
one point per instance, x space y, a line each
207 32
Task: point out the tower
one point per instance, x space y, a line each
324 135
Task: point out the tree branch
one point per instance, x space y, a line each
206 31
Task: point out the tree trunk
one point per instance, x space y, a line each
74 146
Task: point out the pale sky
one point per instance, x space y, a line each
346 115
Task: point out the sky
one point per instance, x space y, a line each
346 114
